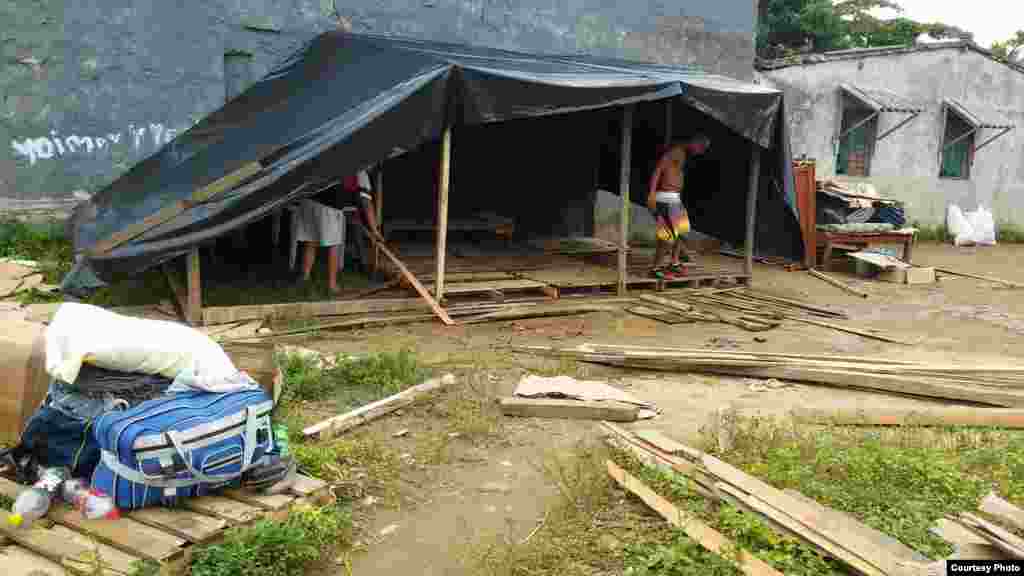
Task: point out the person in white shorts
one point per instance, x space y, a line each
323 226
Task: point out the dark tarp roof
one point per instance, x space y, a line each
359 97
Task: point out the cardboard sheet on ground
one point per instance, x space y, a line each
883 261
586 390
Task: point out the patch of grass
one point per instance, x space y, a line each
588 530
932 232
45 243
36 296
307 538
1009 233
356 466
6 502
897 481
678 557
349 382
465 411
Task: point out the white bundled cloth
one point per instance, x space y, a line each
81 333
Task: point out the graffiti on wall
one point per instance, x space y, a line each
55 146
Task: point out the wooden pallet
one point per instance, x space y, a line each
70 545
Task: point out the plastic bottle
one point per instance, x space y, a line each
92 503
33 503
281 439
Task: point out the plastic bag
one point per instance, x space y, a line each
983 226
959 227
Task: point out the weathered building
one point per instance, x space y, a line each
89 88
929 124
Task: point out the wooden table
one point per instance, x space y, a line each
862 240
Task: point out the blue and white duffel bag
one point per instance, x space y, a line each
181 445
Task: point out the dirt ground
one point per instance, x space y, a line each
497 488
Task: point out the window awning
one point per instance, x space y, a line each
978 119
879 101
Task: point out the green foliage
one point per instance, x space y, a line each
932 232
788 26
788 555
356 467
44 243
309 536
351 382
898 482
679 557
1009 49
145 568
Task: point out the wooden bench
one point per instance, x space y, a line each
860 241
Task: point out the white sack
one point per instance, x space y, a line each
80 333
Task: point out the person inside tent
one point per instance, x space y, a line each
321 223
664 198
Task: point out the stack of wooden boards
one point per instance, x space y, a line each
995 384
68 544
863 550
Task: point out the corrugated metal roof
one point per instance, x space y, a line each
881 100
978 116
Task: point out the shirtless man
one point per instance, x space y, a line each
665 201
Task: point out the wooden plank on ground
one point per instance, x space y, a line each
956 533
374 410
932 416
228 314
570 409
842 522
309 487
843 543
996 535
124 534
268 502
838 284
191 526
231 510
662 442
701 533
979 277
74 551
664 316
1003 511
18 561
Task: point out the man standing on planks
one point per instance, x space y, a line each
664 198
320 223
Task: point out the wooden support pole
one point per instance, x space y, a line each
378 205
194 313
442 211
748 248
626 161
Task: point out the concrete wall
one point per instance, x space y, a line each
89 88
906 163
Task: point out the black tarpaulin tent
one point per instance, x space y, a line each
343 102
